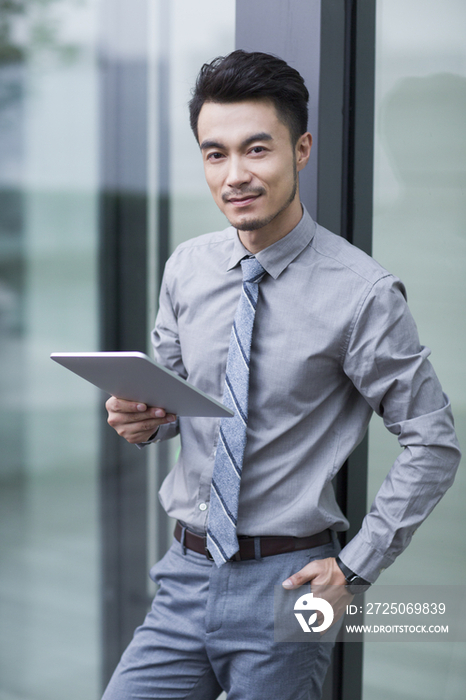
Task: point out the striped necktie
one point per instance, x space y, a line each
222 540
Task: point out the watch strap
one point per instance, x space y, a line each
351 578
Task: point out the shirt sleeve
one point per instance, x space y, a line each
390 368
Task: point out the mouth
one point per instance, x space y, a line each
244 201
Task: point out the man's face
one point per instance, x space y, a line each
251 165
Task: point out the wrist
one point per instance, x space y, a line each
354 584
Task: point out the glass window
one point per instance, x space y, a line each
419 234
49 636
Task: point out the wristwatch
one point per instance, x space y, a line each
354 583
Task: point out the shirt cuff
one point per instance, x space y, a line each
163 432
153 440
363 559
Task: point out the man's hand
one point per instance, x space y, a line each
134 421
327 581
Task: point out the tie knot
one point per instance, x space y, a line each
253 271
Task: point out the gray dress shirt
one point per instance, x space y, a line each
333 341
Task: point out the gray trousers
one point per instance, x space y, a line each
212 629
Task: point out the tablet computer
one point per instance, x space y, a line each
135 377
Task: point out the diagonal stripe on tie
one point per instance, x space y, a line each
241 349
250 298
222 539
229 515
236 403
230 455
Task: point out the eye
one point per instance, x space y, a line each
257 149
214 156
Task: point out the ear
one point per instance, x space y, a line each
303 150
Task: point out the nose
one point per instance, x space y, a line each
238 174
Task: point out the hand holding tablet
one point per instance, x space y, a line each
136 422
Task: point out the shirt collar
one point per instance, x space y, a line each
278 256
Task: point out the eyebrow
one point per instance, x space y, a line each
261 136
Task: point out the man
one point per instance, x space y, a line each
304 336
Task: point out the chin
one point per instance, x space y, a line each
251 224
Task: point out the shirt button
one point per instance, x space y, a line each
202 506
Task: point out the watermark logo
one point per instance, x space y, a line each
385 613
309 602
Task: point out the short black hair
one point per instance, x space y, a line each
246 75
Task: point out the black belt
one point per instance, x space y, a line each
268 545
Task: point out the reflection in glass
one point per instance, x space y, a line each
419 235
201 31
48 289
